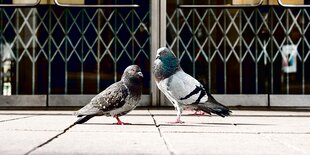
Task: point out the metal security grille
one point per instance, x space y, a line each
240 50
56 50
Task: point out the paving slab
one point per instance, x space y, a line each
298 142
105 143
245 132
105 124
225 143
5 118
275 124
39 123
36 112
240 121
17 142
22 131
193 123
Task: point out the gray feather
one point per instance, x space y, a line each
118 99
182 89
84 119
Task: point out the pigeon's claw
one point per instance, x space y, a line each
200 113
119 122
178 121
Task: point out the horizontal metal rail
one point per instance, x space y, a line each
97 6
222 6
21 5
292 5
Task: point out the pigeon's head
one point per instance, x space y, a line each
164 53
166 63
132 73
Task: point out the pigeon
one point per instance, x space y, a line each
181 89
116 100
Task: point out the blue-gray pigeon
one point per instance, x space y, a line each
181 89
116 100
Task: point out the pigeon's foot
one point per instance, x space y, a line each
196 112
200 113
119 122
178 121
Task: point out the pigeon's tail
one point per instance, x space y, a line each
212 106
83 119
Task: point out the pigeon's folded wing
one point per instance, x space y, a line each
184 88
111 98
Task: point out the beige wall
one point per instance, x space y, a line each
236 2
297 2
24 1
268 2
48 1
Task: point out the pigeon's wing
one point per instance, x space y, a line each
184 88
89 109
111 98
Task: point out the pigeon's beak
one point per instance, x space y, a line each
157 56
140 74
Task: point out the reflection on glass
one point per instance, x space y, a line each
292 2
245 2
55 50
72 1
6 61
240 50
24 1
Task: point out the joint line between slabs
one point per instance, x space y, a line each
50 140
161 135
18 118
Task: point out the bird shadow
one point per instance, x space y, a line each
181 125
237 124
112 124
213 124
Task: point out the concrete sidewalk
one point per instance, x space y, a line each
245 132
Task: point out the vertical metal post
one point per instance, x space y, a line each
287 42
83 11
49 54
225 51
163 27
17 55
98 50
33 61
115 45
240 50
256 50
209 49
155 44
193 40
162 22
270 86
132 35
303 49
1 48
158 39
66 12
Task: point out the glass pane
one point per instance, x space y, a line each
245 47
19 2
57 50
293 2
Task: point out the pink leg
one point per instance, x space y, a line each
119 122
197 112
200 113
178 121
